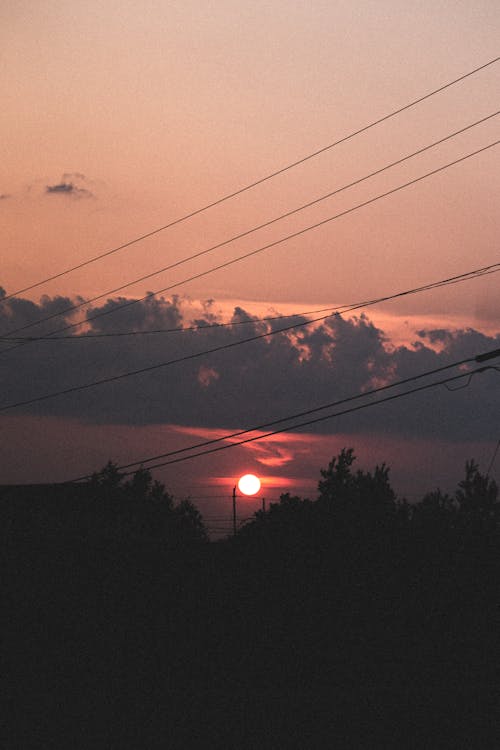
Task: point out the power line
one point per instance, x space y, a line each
239 236
467 276
493 458
256 251
222 347
249 231
251 185
477 359
316 420
200 253
178 329
330 405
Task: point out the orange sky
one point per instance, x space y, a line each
151 110
163 107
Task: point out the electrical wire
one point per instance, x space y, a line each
341 309
477 359
239 236
179 329
251 185
493 458
314 421
188 357
256 251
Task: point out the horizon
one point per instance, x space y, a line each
142 118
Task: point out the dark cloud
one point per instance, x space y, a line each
19 312
70 184
61 187
249 384
4 196
151 313
67 188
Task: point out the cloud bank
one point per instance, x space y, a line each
245 385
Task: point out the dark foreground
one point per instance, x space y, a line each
319 626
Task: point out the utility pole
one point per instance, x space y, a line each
234 511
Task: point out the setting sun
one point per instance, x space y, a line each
249 484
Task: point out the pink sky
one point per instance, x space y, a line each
151 110
164 107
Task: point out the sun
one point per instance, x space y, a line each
249 484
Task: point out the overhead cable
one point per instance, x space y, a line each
196 355
246 233
258 250
341 309
187 357
365 394
251 185
315 420
493 458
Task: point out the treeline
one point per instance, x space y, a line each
358 512
106 510
352 620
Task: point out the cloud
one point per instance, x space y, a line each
4 196
62 187
151 313
272 455
244 386
70 184
68 188
19 312
275 451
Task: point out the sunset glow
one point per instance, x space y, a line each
250 358
126 128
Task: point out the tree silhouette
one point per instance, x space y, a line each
357 499
108 477
189 521
337 483
140 508
435 514
477 498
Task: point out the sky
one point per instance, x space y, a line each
120 118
